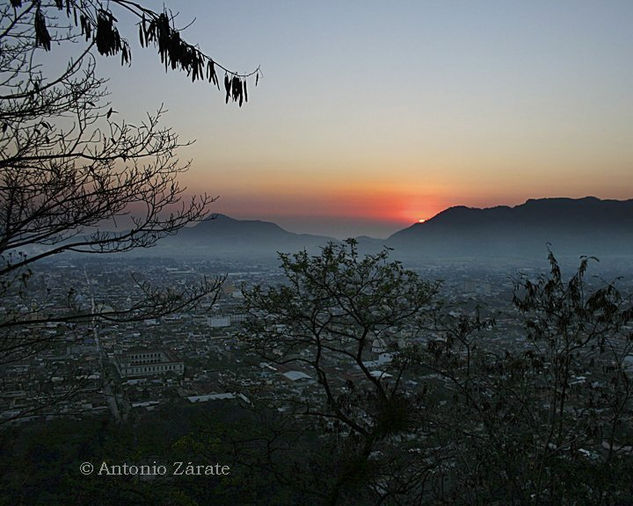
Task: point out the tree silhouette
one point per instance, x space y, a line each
70 169
460 413
345 319
93 26
544 419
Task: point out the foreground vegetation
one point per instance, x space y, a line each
451 417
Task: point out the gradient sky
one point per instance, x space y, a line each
373 114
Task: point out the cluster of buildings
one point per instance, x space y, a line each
72 364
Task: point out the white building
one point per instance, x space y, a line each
140 363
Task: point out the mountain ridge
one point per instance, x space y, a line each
570 225
219 234
587 225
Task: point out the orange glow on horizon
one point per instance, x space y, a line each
378 205
368 199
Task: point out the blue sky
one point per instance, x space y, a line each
372 115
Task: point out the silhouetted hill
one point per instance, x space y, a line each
222 235
572 226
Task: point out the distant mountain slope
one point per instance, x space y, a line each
222 235
572 226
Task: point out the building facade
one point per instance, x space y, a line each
142 363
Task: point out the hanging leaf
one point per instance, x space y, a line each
227 87
86 28
107 37
236 88
126 55
42 37
211 76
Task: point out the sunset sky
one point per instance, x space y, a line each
372 115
